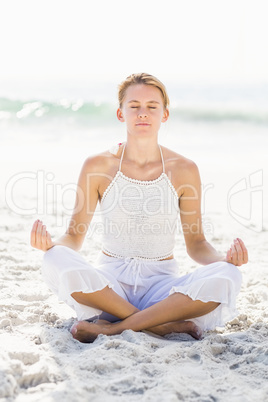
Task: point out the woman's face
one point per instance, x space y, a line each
143 109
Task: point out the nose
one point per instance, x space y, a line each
142 113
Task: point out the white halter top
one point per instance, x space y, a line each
139 217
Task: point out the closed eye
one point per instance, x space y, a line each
136 107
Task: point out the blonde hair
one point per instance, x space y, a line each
142 78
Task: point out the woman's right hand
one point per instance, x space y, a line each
40 238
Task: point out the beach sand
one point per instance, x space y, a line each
39 359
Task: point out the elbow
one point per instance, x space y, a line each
77 243
190 252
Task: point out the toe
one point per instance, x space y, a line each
73 329
197 332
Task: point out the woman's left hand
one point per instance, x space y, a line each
237 253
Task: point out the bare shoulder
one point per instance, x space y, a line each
101 168
102 163
182 172
178 164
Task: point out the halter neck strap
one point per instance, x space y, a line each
163 164
121 159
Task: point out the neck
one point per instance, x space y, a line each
142 151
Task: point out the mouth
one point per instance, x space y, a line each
143 124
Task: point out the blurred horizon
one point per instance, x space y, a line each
97 103
61 62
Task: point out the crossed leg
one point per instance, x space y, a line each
164 317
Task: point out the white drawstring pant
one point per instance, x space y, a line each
142 283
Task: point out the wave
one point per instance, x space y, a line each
216 113
63 110
102 113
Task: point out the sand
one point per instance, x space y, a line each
40 361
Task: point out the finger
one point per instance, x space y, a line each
228 256
43 236
38 234
33 233
245 251
234 254
239 252
48 239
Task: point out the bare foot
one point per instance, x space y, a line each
87 332
187 327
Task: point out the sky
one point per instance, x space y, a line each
85 41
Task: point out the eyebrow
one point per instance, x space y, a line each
152 101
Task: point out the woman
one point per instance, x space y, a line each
141 187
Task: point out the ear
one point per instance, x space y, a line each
120 116
165 116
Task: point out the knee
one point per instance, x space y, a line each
53 259
233 269
49 268
61 259
56 261
55 250
56 254
233 273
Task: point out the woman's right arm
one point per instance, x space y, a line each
86 201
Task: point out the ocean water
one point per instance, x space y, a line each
44 141
88 108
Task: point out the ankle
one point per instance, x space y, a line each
159 329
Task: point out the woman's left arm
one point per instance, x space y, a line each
198 248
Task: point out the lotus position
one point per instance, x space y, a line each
142 189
